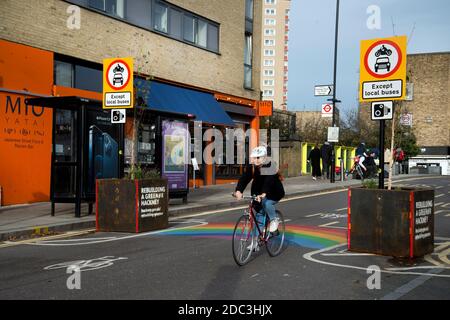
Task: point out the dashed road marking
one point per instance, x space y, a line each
328 224
313 215
439 195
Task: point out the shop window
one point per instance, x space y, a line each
88 78
74 73
64 74
146 140
147 143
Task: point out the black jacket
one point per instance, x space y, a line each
269 184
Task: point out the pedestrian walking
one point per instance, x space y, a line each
314 159
325 153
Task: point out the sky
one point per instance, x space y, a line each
426 23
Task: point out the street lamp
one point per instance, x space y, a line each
334 100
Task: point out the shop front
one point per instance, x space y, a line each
57 144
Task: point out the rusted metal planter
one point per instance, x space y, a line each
131 205
398 223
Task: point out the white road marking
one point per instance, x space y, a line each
328 224
410 286
309 256
313 215
439 195
341 209
439 187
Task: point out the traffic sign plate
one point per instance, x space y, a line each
383 69
323 90
118 83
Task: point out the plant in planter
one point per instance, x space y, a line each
396 222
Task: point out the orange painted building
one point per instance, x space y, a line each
26 131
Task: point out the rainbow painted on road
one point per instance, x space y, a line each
305 236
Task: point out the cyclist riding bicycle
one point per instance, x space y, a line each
266 186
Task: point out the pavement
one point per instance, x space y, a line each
34 220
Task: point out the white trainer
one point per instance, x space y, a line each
274 225
254 245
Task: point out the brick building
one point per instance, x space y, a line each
56 48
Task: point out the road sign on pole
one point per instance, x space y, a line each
326 90
383 69
333 134
118 83
382 110
327 110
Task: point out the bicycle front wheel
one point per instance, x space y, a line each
276 239
242 240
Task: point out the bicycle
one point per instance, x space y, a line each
248 236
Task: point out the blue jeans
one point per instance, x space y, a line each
269 207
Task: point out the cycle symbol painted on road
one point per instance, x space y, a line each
87 265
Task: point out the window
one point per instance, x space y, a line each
270 1
175 23
269 72
160 17
268 93
249 9
114 7
188 28
269 42
78 74
271 11
138 12
63 74
164 17
269 82
270 22
269 52
269 32
269 62
248 61
213 37
202 33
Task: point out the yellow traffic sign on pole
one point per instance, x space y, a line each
383 69
118 83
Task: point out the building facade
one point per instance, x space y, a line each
55 48
274 52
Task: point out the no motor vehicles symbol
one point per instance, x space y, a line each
382 59
118 75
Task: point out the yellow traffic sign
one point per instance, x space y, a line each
383 69
118 83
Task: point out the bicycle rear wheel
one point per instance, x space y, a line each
276 239
242 239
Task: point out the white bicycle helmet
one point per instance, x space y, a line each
257 152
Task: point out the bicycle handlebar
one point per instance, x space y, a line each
245 197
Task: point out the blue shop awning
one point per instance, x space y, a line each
167 98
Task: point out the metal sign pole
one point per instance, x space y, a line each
381 163
333 160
